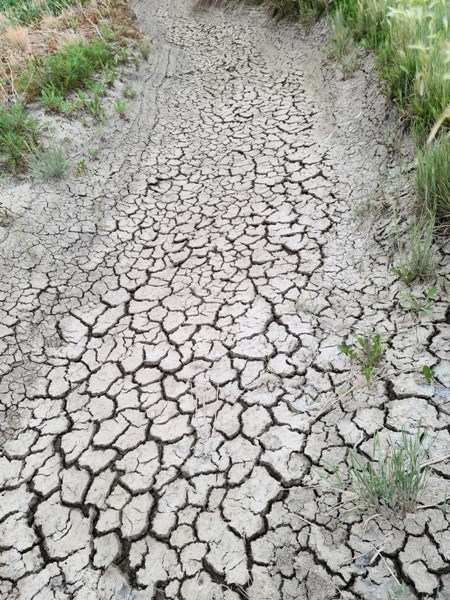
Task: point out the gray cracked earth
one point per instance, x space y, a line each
169 328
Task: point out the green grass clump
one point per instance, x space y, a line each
145 48
412 40
418 261
69 68
121 108
51 101
27 11
49 163
341 40
93 104
392 480
129 92
433 177
18 136
367 351
342 47
308 10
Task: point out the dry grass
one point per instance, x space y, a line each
17 38
20 44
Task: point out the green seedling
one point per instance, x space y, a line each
121 108
405 274
419 260
109 75
129 92
144 49
428 373
94 153
424 304
93 105
52 101
81 167
367 352
19 137
97 88
307 305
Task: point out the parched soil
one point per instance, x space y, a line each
169 332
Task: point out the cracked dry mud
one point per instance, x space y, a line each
166 360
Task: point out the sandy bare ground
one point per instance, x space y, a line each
169 331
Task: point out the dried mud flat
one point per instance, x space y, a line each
169 332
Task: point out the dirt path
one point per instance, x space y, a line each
169 340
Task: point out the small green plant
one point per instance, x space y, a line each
341 40
6 217
419 259
367 351
19 134
51 101
394 145
391 480
94 106
350 65
94 153
109 75
129 92
399 593
98 88
49 163
428 373
81 167
122 55
273 376
403 273
121 108
422 304
144 48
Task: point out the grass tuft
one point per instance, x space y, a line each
367 351
129 92
390 481
71 67
341 40
145 48
52 101
18 137
121 108
419 259
433 177
49 163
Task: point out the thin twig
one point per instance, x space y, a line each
387 566
435 460
371 518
